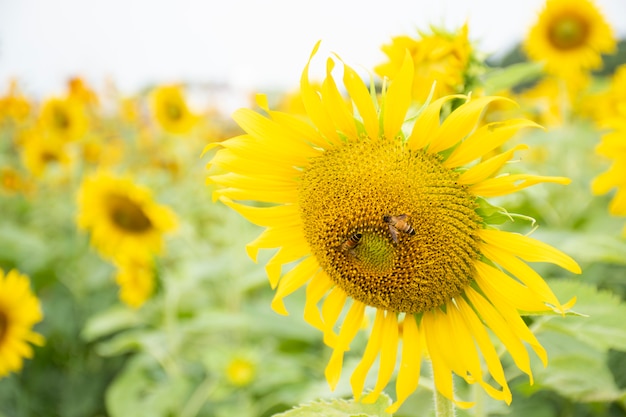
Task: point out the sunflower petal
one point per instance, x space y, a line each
292 280
507 184
398 99
411 362
428 122
483 170
362 100
484 140
529 249
460 123
388 353
331 309
357 380
319 285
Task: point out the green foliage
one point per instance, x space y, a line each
341 408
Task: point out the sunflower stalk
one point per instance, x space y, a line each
443 406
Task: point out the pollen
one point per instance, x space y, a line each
352 189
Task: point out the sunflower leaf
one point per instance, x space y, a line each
340 408
603 328
501 79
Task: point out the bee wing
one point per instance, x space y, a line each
394 233
401 216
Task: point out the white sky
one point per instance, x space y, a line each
251 44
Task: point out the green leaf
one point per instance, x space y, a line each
143 390
501 79
109 321
340 408
603 328
575 370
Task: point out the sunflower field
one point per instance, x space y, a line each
443 234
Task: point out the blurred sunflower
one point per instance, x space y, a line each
171 111
19 312
123 219
383 217
63 119
41 152
613 146
608 107
441 56
135 276
569 36
14 105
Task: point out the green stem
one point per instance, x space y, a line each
443 406
479 399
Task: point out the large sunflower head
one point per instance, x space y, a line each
569 36
123 219
381 209
442 57
171 111
20 310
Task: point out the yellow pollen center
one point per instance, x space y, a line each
568 32
173 111
127 215
389 225
61 119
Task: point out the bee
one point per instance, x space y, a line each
352 242
398 223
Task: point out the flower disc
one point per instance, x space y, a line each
350 189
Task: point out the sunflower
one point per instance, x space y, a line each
171 111
569 36
122 217
19 312
439 57
63 119
41 152
378 214
613 146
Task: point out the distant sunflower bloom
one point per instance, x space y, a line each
63 119
382 217
123 219
570 36
613 146
171 111
40 152
441 56
19 312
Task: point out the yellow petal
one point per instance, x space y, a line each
291 236
332 307
314 106
357 380
521 271
349 328
529 249
484 170
273 135
460 123
287 215
337 106
409 371
362 100
496 284
428 122
292 280
442 373
484 140
478 331
502 330
319 285
507 184
398 99
285 254
388 353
